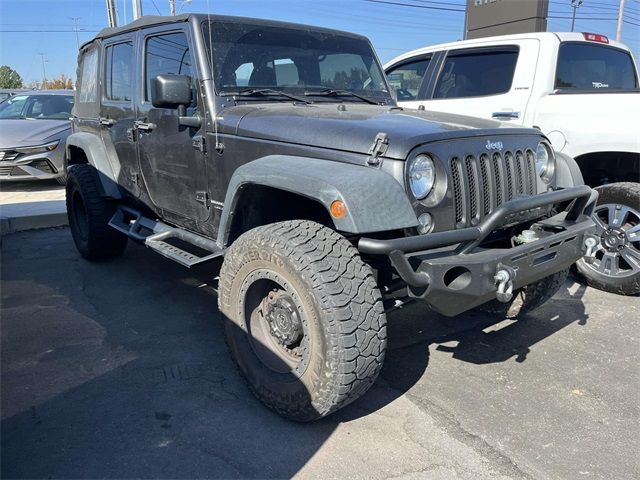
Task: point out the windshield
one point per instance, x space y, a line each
583 66
40 107
294 60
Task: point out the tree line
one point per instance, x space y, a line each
9 78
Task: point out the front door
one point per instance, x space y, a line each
174 171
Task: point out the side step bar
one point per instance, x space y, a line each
157 235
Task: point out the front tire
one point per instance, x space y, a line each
616 268
89 213
305 322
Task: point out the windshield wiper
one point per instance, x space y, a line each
265 92
329 92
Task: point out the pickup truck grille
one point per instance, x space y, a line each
481 183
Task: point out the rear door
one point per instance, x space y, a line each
174 171
117 113
486 81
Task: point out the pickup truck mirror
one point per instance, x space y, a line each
171 91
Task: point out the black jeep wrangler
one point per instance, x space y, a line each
279 149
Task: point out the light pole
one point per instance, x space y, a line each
76 28
182 4
575 4
172 7
136 8
111 13
44 72
620 17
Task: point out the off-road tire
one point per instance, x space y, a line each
340 298
624 193
528 298
89 213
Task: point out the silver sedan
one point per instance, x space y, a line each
34 127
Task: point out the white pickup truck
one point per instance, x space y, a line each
580 89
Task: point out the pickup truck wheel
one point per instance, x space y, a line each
305 322
528 298
616 268
89 214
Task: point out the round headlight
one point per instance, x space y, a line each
544 161
422 175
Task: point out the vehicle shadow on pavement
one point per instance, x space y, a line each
120 369
473 337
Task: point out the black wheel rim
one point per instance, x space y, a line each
79 216
618 229
276 323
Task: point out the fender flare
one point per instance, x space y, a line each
375 200
96 153
568 172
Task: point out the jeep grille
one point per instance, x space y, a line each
481 183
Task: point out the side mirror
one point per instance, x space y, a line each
174 91
171 91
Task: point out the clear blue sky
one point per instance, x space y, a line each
25 25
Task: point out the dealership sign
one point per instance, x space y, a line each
486 18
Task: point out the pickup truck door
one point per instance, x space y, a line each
409 79
174 172
486 81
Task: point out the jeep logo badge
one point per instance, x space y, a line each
493 145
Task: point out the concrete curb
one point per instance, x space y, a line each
19 217
18 224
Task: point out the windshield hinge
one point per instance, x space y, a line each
379 148
198 142
203 198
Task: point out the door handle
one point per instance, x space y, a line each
505 115
107 122
143 126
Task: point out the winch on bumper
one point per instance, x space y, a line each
453 273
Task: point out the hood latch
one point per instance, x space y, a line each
379 148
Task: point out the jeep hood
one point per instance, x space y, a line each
31 132
355 128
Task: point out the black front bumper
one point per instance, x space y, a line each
453 273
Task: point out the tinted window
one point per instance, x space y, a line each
87 83
45 107
406 79
475 74
583 66
291 59
346 71
119 72
166 54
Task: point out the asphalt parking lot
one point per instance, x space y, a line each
120 370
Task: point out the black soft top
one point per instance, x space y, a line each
154 20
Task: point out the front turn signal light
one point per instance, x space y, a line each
338 209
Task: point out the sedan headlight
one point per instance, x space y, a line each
38 148
545 162
422 176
